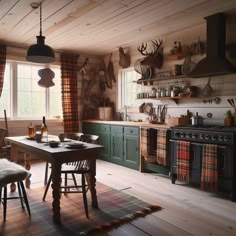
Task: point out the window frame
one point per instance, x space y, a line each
13 92
121 93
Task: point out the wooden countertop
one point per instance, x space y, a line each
129 123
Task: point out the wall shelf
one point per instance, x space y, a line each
175 99
150 81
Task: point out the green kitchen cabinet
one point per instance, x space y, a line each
104 140
103 131
117 143
121 143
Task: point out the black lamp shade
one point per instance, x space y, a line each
40 53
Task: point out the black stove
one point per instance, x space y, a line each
223 137
215 134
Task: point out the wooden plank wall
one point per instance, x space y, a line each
224 87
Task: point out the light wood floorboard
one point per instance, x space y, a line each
186 210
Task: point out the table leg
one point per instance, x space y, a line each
92 183
56 183
27 167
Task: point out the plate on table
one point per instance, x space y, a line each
75 146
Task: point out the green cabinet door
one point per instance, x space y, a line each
131 147
117 150
105 141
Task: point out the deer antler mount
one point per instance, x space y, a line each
153 58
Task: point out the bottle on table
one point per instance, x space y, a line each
31 131
44 131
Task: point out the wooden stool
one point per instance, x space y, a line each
11 172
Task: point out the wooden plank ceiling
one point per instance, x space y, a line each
99 27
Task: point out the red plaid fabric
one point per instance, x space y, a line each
209 175
162 147
148 144
183 160
69 67
3 52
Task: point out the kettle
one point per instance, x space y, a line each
196 120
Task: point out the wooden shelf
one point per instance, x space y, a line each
176 56
140 81
175 99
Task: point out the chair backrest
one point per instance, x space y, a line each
89 138
3 134
74 136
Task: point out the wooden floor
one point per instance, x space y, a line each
186 210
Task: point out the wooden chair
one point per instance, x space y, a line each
5 150
76 168
73 136
11 172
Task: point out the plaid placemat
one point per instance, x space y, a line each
209 174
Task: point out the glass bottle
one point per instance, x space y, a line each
31 131
44 130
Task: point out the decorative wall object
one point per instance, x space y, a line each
124 58
47 76
153 58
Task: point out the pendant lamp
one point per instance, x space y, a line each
40 52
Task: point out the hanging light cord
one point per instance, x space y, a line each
40 13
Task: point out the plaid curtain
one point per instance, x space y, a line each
209 175
148 144
162 147
183 160
69 67
3 53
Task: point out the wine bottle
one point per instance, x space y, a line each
44 130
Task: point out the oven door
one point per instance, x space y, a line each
195 162
225 168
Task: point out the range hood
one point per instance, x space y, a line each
215 63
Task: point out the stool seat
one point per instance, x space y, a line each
11 172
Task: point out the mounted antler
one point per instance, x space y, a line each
153 58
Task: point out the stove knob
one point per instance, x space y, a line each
220 138
188 135
202 136
182 135
214 138
194 136
207 137
177 134
226 139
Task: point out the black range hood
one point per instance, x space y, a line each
215 63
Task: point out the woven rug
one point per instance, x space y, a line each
115 209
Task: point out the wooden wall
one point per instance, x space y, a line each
224 87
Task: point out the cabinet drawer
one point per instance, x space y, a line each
104 128
131 130
116 129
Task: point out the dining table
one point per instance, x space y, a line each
56 156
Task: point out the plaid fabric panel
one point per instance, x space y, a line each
162 147
69 67
147 144
183 160
209 175
3 52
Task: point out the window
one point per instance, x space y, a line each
23 98
128 88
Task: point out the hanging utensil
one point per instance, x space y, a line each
206 92
229 101
232 101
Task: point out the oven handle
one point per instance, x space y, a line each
199 144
